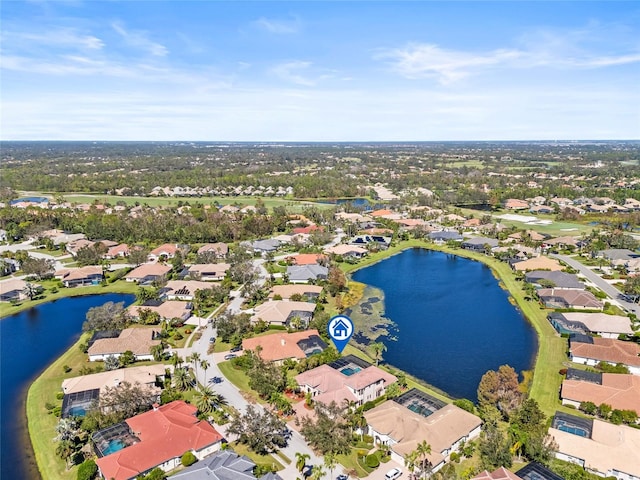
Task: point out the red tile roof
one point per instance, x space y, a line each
164 433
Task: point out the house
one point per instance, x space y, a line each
280 346
599 447
593 350
263 246
445 236
147 273
166 310
531 471
366 239
499 474
537 263
308 259
480 244
349 251
347 379
209 272
121 250
12 289
74 247
577 299
620 391
516 204
137 340
80 392
415 417
220 249
223 465
559 280
607 326
182 289
157 438
74 277
544 209
307 273
280 312
167 250
308 230
561 242
285 292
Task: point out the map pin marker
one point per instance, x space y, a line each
340 329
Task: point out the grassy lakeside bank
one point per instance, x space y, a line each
116 287
551 348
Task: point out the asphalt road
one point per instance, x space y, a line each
599 282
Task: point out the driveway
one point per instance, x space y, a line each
602 284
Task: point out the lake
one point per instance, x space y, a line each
453 320
29 342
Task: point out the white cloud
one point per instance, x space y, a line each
139 39
278 26
290 71
55 37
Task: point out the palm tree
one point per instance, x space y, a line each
330 462
157 351
206 400
182 379
30 290
318 473
204 365
378 348
301 460
176 360
410 460
195 359
423 449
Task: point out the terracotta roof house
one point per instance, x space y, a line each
560 280
159 439
182 289
499 474
80 392
347 251
148 273
599 447
167 250
308 259
220 249
607 326
138 340
561 298
76 245
593 350
287 291
167 310
561 242
537 263
281 346
410 223
308 230
280 312
121 250
223 465
621 391
345 380
12 289
209 272
381 213
307 273
74 277
516 204
403 429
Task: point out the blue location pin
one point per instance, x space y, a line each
340 329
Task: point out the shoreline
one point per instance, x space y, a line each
540 385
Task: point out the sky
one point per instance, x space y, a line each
319 71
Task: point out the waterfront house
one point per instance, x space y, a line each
347 379
537 263
157 438
559 280
349 251
607 326
620 391
479 244
75 277
445 236
599 447
13 290
147 273
280 312
166 310
576 299
285 292
307 273
593 350
223 465
137 340
281 346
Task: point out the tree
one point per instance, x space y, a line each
40 267
262 433
126 358
188 459
500 389
423 450
30 290
110 316
411 461
126 400
378 348
317 473
158 352
182 379
329 432
87 470
138 256
301 460
195 360
111 362
528 430
207 401
204 365
493 445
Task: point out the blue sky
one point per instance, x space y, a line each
319 71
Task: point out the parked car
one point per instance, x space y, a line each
236 349
342 477
215 380
393 474
229 356
212 340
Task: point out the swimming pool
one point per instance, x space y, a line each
565 427
348 371
77 411
113 446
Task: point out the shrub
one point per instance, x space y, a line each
177 336
66 368
188 459
59 396
57 411
372 461
455 457
367 439
87 470
49 406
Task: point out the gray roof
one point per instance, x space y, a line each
559 279
223 465
306 272
481 241
619 254
445 235
268 245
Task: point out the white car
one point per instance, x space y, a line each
393 474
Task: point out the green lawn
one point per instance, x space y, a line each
239 379
264 460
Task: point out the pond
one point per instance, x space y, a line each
29 342
453 320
